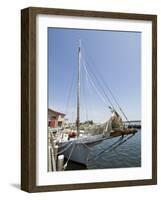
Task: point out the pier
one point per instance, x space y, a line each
55 161
133 124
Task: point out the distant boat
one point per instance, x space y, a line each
77 147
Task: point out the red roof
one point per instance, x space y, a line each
58 113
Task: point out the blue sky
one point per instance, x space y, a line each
115 59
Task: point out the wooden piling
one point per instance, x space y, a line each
49 160
55 152
60 163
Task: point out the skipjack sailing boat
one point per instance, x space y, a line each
77 146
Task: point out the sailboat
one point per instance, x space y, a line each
78 148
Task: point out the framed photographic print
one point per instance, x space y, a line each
88 99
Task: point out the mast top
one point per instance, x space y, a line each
80 44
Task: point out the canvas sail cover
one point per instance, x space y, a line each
117 122
114 123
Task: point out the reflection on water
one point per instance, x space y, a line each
114 153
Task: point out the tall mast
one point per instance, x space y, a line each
78 89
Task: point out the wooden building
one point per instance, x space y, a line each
55 119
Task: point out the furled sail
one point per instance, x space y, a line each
114 123
117 122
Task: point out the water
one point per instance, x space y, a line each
114 153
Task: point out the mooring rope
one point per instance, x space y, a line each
66 164
66 148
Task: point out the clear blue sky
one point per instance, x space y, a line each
114 56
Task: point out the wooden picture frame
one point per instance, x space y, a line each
28 98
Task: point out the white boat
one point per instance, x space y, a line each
77 148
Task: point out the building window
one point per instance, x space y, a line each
59 124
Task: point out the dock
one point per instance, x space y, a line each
133 124
55 161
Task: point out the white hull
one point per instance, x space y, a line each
77 150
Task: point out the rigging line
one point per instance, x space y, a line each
113 146
126 139
101 87
66 164
89 148
66 148
94 85
114 98
73 102
70 92
90 104
103 150
84 96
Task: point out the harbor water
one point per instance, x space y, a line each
114 153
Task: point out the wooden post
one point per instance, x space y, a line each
53 159
60 162
55 152
49 153
49 160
